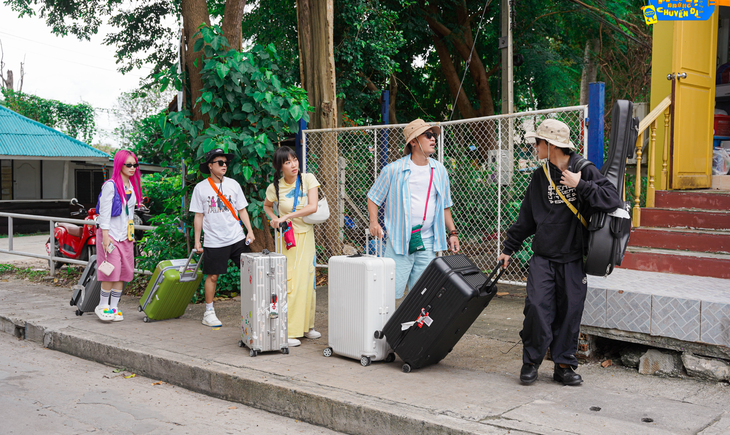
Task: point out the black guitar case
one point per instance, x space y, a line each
609 233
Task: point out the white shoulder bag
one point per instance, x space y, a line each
322 213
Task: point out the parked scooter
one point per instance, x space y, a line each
73 241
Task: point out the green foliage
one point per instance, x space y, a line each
164 189
250 110
165 242
75 120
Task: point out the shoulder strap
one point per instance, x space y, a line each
565 200
223 198
581 163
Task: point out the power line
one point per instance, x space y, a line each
468 61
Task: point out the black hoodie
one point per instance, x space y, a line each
559 234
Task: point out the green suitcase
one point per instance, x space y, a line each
170 289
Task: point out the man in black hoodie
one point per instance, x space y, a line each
556 283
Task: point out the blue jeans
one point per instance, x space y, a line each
409 267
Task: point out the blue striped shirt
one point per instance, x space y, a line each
392 187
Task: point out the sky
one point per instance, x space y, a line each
65 68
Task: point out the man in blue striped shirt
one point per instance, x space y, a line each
417 196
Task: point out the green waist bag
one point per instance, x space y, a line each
416 243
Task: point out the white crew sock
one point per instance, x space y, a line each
115 296
208 306
104 298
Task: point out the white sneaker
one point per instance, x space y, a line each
312 334
293 342
210 319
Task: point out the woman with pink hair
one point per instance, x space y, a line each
115 235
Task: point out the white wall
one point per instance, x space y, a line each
53 179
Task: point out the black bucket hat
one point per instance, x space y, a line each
210 155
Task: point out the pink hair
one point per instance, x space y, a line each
120 158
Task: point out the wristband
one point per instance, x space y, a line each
453 233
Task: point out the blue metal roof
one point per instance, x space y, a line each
21 136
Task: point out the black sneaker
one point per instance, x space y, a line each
528 374
566 375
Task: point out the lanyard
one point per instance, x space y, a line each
428 195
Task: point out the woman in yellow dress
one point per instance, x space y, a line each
300 259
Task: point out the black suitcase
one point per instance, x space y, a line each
438 310
609 235
87 293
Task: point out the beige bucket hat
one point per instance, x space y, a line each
554 132
417 128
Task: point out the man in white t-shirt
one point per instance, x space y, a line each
224 238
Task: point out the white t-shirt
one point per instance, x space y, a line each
219 226
418 184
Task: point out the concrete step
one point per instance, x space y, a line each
676 218
677 262
684 239
700 199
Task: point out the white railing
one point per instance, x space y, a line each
52 225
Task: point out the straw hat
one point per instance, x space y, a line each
417 128
554 132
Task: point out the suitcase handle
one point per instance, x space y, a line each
184 276
499 270
381 244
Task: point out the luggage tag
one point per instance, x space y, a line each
422 319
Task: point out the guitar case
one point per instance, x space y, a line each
609 232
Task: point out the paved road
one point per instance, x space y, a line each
48 392
32 244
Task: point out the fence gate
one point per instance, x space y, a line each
489 165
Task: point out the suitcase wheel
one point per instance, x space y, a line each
71 302
146 319
79 312
327 352
252 353
365 361
240 343
406 368
390 358
139 308
285 351
379 334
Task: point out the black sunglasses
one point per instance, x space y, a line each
132 165
221 162
429 135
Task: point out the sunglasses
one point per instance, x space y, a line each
221 162
429 135
132 165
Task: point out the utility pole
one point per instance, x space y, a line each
505 44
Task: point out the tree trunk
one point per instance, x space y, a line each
264 239
195 13
317 65
392 119
590 68
231 26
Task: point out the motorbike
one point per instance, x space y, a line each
73 241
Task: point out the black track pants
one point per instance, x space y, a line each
556 293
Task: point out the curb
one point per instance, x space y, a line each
310 402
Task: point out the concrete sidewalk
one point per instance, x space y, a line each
474 390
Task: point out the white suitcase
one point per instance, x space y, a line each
361 300
263 302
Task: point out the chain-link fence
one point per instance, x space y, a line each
489 164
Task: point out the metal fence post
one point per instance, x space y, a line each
300 145
596 110
51 262
10 233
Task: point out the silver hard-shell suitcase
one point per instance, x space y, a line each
87 292
361 297
263 302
